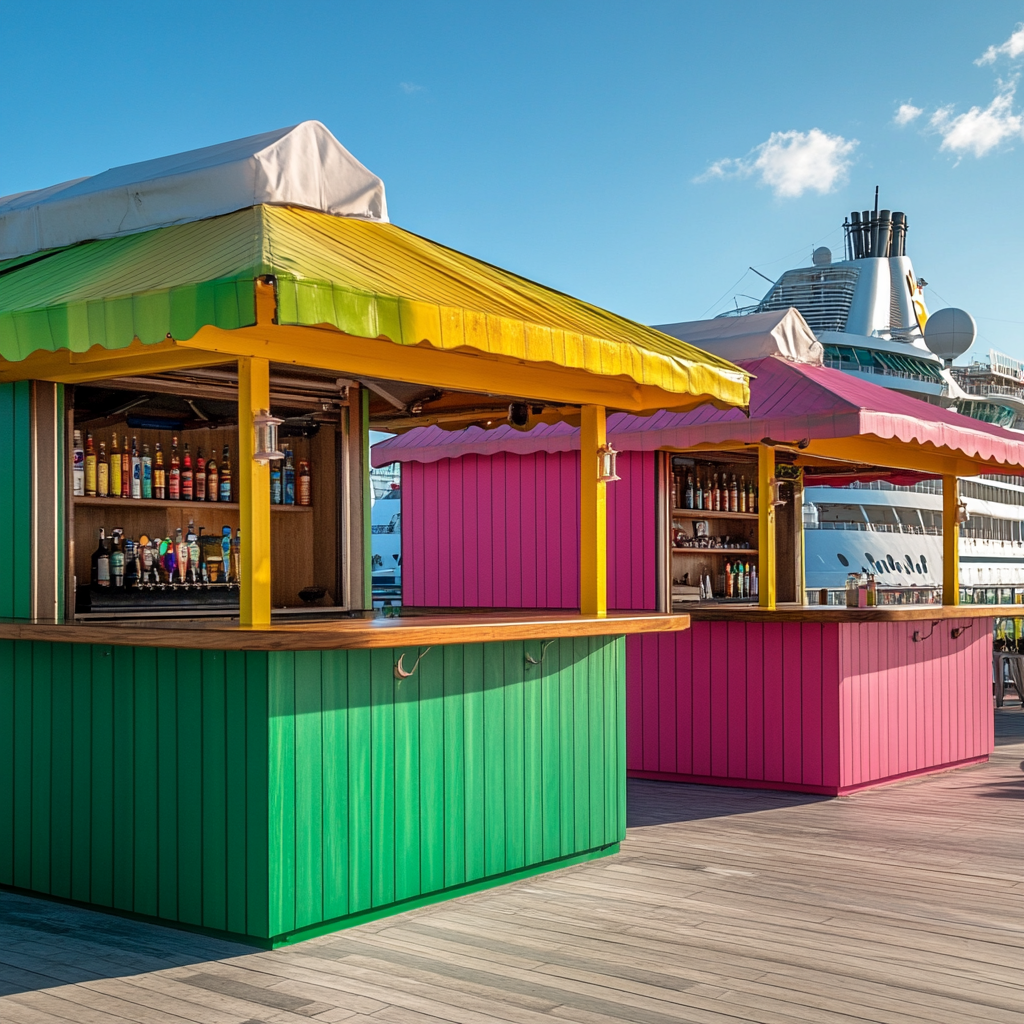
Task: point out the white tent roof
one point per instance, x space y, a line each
781 332
304 165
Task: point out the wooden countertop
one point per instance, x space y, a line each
344 634
836 613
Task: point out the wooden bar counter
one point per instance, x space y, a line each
814 699
358 632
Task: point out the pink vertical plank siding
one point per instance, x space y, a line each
737 641
821 703
773 701
831 673
755 701
503 532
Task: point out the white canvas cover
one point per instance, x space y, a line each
304 165
740 338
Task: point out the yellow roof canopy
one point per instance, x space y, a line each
165 297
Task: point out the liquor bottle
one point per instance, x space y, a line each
212 480
289 477
734 496
101 563
753 581
186 475
276 488
698 501
200 479
754 500
304 487
117 560
90 467
147 571
688 496
115 468
159 474
147 472
708 496
136 464
716 496
225 475
103 473
174 476
126 469
78 466
728 579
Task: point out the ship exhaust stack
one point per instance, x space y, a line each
899 234
876 233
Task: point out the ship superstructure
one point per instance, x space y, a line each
868 311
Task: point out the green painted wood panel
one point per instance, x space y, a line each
15 501
275 794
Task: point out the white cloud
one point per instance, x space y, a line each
1012 48
978 131
791 163
907 113
410 87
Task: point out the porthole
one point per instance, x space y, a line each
924 562
843 560
918 568
870 557
891 561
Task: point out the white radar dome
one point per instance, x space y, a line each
822 256
950 332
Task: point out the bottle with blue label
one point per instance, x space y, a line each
276 488
289 477
147 472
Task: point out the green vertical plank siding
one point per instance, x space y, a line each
15 501
275 794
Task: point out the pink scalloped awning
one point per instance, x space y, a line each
788 402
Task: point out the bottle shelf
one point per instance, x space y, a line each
89 502
697 513
715 551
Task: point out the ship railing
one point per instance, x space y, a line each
993 389
884 371
929 531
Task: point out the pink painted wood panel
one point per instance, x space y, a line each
816 707
908 707
502 531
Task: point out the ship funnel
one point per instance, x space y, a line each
856 236
884 232
899 234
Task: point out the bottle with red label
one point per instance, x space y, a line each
174 476
304 485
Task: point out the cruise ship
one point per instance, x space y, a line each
868 310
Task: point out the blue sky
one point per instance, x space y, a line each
638 155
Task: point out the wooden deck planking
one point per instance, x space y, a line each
901 904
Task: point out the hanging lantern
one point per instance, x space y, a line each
606 456
265 427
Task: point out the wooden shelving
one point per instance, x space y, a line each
145 503
697 513
714 551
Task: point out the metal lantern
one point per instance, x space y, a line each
606 456
266 426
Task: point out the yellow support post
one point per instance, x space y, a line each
253 494
593 515
765 526
950 541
